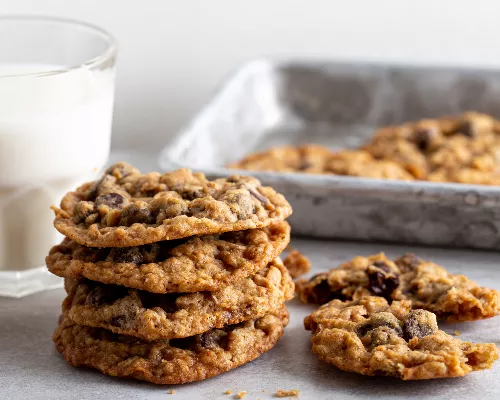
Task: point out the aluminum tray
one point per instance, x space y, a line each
269 103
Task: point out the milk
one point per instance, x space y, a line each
54 135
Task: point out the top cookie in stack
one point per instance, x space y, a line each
126 208
151 299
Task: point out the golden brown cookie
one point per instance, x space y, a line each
151 316
126 208
309 158
186 265
360 163
297 264
460 149
427 285
369 337
171 361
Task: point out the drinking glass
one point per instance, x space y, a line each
56 106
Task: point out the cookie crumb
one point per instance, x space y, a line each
228 392
288 393
241 395
457 333
297 264
172 391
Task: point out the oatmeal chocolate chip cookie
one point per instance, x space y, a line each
309 158
360 163
151 316
452 149
370 337
429 286
126 208
169 361
297 264
186 265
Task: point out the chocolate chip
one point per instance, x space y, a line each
259 197
382 284
321 293
240 203
191 193
423 137
214 338
408 261
382 335
112 200
312 278
419 323
152 252
467 128
187 343
83 210
105 295
304 165
136 214
377 320
164 301
118 321
382 265
125 255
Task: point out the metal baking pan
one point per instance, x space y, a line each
271 102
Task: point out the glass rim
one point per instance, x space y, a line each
91 63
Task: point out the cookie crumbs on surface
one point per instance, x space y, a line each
457 333
288 393
297 264
241 395
228 392
172 391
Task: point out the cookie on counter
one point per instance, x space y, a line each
427 285
369 337
460 149
171 361
165 316
126 208
193 264
308 158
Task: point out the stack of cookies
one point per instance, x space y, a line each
170 278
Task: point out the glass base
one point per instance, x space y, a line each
23 283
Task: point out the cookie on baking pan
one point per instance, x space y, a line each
360 163
126 208
428 286
165 316
185 265
450 149
169 361
370 337
308 158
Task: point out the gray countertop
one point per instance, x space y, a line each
31 368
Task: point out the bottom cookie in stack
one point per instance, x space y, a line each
170 361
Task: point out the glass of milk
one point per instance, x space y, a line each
56 105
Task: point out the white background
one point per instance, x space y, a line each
174 53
